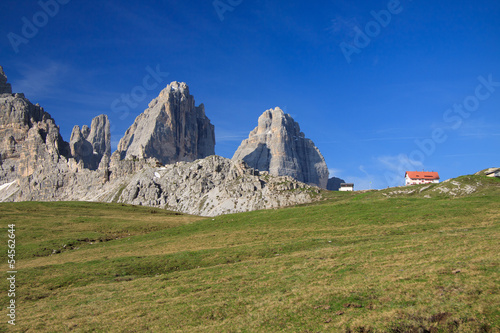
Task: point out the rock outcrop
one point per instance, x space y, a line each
334 184
5 87
490 172
172 129
89 145
31 144
29 138
207 187
214 186
277 145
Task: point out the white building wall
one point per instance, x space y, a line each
346 188
409 181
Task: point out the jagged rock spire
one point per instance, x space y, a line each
5 88
91 145
172 129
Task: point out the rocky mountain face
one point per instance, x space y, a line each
277 145
334 184
89 145
172 129
214 186
29 137
5 87
206 187
37 164
31 145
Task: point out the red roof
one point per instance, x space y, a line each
422 175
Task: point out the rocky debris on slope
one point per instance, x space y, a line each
459 187
334 184
490 172
456 188
399 191
277 145
214 186
172 129
208 187
89 145
5 87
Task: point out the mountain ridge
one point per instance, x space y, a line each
165 159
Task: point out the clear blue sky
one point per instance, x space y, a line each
407 80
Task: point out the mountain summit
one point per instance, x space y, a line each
171 130
37 164
277 145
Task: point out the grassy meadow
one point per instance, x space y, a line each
353 262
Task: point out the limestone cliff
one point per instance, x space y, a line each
37 164
277 145
172 129
89 145
30 142
5 87
29 137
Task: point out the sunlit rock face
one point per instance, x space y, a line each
277 145
171 130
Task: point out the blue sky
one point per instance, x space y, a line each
381 87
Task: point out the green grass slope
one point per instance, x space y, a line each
369 262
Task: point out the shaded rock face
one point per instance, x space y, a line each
277 145
31 145
29 138
172 129
334 184
89 145
5 87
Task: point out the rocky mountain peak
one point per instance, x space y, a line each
276 120
29 137
177 87
5 88
334 184
89 145
277 145
172 129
